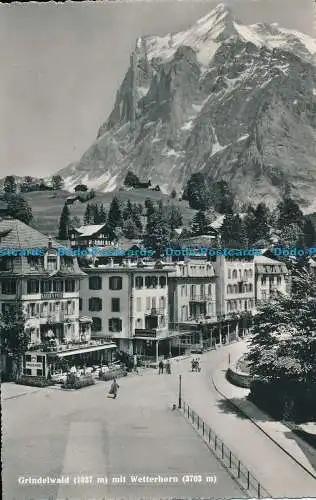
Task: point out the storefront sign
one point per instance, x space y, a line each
33 364
145 333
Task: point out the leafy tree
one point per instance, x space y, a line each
282 352
10 185
14 338
57 182
80 187
222 197
131 179
18 208
200 224
197 192
64 224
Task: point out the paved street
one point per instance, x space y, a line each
58 433
273 468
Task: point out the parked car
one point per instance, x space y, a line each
197 350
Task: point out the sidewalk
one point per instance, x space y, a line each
10 390
277 472
280 433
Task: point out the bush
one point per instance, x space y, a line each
34 381
113 373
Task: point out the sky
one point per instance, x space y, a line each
61 65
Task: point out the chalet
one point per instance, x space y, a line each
90 235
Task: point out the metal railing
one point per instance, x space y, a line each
241 474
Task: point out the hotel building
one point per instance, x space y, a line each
128 304
46 286
270 276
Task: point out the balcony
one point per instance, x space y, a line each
199 297
154 311
52 295
69 346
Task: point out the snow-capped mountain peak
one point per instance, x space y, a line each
234 101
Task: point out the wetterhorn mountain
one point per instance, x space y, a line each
236 102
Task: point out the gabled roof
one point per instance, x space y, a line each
89 230
16 234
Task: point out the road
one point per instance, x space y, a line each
54 433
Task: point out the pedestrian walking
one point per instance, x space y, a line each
135 364
114 388
168 367
160 366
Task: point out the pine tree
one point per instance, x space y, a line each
128 210
309 233
174 216
262 216
157 234
222 197
14 338
150 207
88 218
289 213
197 192
102 214
115 218
130 230
64 224
200 224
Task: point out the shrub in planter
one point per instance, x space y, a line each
113 373
84 382
34 381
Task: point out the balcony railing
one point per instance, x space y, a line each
199 297
52 295
155 311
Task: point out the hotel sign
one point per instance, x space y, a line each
145 333
33 364
52 295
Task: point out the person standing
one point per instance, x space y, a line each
168 367
114 388
160 366
135 364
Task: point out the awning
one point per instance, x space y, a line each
74 352
85 319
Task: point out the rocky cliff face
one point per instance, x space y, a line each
236 102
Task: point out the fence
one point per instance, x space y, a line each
246 480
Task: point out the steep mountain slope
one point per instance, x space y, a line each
237 102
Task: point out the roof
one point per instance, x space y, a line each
89 230
16 234
217 224
262 259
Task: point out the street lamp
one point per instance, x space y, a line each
180 391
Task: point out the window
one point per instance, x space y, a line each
51 263
32 310
250 287
245 273
182 290
234 274
95 283
69 307
34 262
229 274
69 285
80 304
28 371
147 302
32 286
279 280
58 286
96 324
210 290
263 280
235 289
228 306
46 286
116 305
151 281
162 303
162 281
115 325
139 282
246 305
6 264
250 273
9 286
95 304
115 283
229 289
153 303
138 304
264 295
